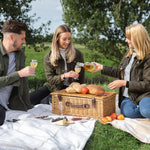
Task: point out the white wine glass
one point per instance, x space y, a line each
77 69
60 106
33 63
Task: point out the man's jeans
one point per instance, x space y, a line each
130 110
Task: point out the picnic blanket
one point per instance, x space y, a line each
30 132
139 128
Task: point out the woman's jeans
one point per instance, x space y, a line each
130 110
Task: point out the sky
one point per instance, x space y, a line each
48 10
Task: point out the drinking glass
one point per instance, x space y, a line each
33 63
77 69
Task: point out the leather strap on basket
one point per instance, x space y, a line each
93 102
77 106
59 96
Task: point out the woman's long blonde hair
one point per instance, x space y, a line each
140 39
55 54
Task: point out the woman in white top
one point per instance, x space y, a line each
59 64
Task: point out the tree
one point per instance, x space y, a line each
18 10
101 23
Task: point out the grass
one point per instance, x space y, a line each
104 137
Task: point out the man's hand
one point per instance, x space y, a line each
27 71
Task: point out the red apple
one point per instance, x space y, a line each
84 90
113 116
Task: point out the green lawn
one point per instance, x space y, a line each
104 137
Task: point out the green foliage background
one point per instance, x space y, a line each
19 10
101 24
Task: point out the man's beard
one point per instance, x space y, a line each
15 46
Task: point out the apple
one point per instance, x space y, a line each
109 118
104 120
113 116
84 90
120 117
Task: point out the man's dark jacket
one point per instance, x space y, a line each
19 98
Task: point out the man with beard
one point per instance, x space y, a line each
14 92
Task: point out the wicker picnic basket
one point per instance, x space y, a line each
83 105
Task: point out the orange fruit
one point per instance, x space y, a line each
120 117
104 120
109 118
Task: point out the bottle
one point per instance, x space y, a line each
87 66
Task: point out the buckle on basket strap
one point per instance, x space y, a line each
59 96
93 102
78 106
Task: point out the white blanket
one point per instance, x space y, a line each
139 128
32 133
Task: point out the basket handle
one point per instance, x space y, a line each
78 106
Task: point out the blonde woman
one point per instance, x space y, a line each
134 74
59 64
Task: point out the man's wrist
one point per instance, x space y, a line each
20 74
